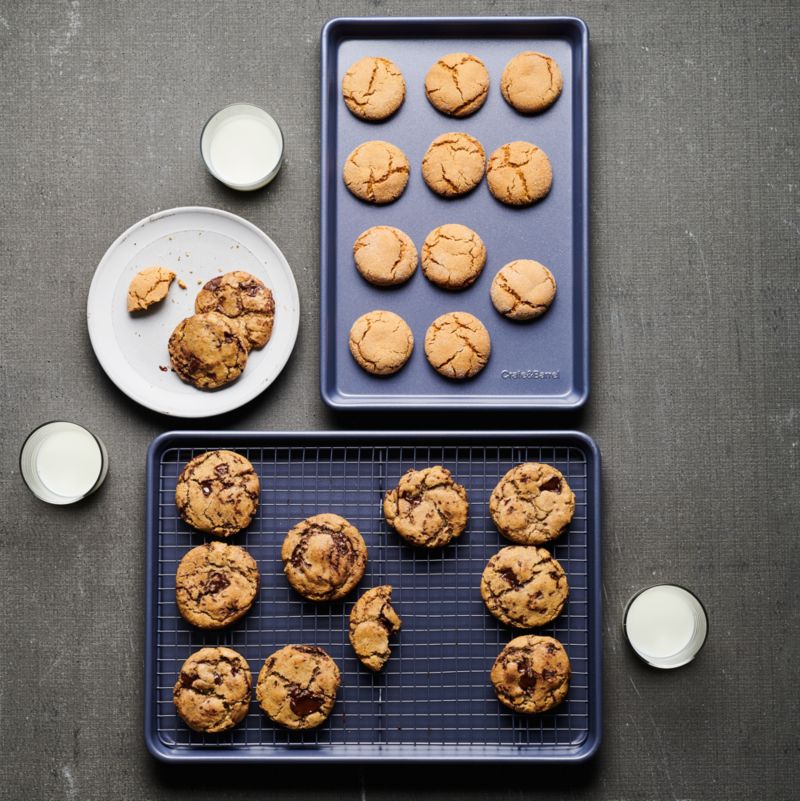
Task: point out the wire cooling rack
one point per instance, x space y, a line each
433 700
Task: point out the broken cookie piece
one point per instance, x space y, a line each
372 620
148 287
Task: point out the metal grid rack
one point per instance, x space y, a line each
434 693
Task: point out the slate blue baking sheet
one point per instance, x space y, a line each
542 364
433 701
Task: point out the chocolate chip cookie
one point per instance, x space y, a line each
427 507
381 342
531 82
385 256
453 164
217 493
376 172
457 345
457 84
531 674
524 586
532 504
453 256
212 693
523 289
373 88
216 584
519 174
324 557
297 686
148 287
372 620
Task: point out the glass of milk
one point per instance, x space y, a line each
666 625
242 146
63 462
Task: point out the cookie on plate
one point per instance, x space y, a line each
212 693
457 84
216 584
519 174
385 256
148 287
524 586
381 342
453 256
376 172
217 493
372 620
324 557
532 504
373 88
531 674
457 345
531 82
453 164
427 507
297 686
523 289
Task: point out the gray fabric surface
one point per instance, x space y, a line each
694 237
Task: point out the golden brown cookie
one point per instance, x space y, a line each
385 256
216 584
148 287
453 256
457 345
212 693
453 164
523 289
519 174
324 557
457 84
381 342
243 299
376 172
297 686
373 88
207 351
531 82
427 507
217 493
372 620
524 586
532 504
531 674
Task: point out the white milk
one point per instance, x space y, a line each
243 149
68 462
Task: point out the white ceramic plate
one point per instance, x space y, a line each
197 244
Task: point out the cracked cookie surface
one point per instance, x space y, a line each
457 84
212 693
245 300
385 256
519 174
324 557
297 686
531 674
376 172
372 620
523 289
457 345
532 504
453 256
531 82
148 287
427 507
453 164
216 584
524 586
217 493
381 342
373 88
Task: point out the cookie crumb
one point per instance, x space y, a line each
163 368
181 283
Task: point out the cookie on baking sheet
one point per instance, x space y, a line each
376 172
427 507
531 674
457 345
519 174
532 504
216 584
212 693
373 88
244 299
381 342
372 620
523 289
457 84
453 164
148 287
385 256
524 586
297 686
324 557
531 82
453 256
217 493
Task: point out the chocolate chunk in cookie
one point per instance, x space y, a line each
372 620
457 345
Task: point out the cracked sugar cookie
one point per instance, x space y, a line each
376 172
457 84
372 620
381 342
519 174
385 256
453 164
453 256
148 287
531 82
523 289
457 345
373 88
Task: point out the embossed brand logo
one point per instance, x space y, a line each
534 375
